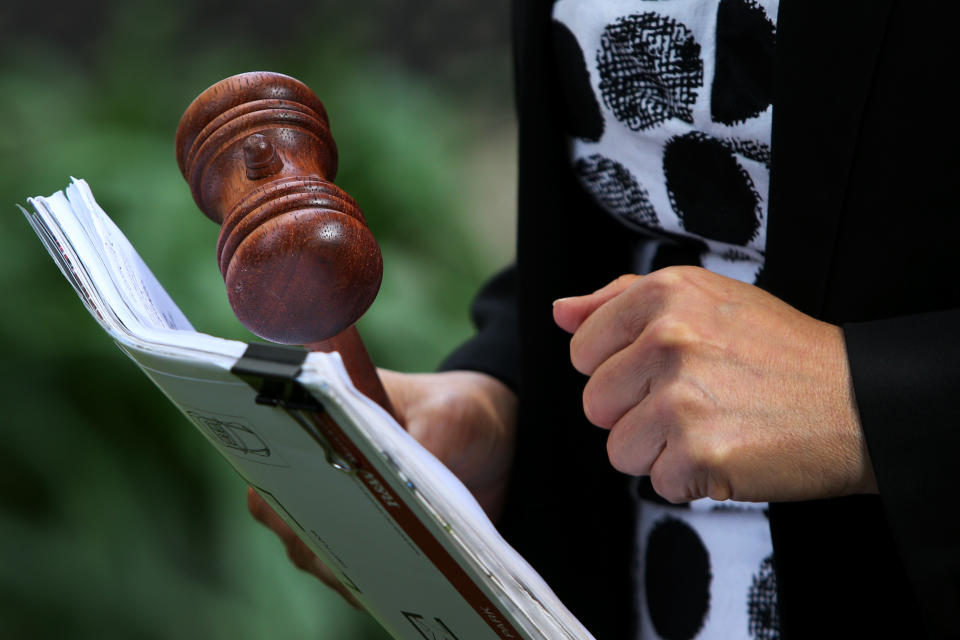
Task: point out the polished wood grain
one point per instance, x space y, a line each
298 259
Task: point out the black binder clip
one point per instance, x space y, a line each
272 370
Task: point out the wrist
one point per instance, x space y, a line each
864 480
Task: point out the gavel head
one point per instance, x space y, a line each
298 259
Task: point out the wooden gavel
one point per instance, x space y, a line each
299 262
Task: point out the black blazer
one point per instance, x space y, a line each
863 232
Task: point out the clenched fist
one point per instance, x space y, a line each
715 388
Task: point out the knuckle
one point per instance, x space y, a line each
623 457
256 506
671 283
685 471
667 487
626 280
711 457
443 402
616 455
629 320
682 403
327 577
708 467
669 335
578 354
668 281
684 274
321 571
675 478
673 404
719 491
666 278
662 410
585 355
594 406
300 556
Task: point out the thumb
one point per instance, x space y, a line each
569 313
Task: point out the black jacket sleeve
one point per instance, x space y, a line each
906 376
495 348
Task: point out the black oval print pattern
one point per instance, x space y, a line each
692 81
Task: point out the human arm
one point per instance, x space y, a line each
715 388
875 413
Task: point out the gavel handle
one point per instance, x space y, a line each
358 364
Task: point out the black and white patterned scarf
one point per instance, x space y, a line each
668 107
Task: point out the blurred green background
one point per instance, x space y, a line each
116 519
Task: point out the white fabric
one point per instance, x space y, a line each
626 170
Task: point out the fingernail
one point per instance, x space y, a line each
560 300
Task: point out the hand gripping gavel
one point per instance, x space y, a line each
299 262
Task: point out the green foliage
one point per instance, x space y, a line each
116 520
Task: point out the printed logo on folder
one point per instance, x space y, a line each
232 433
